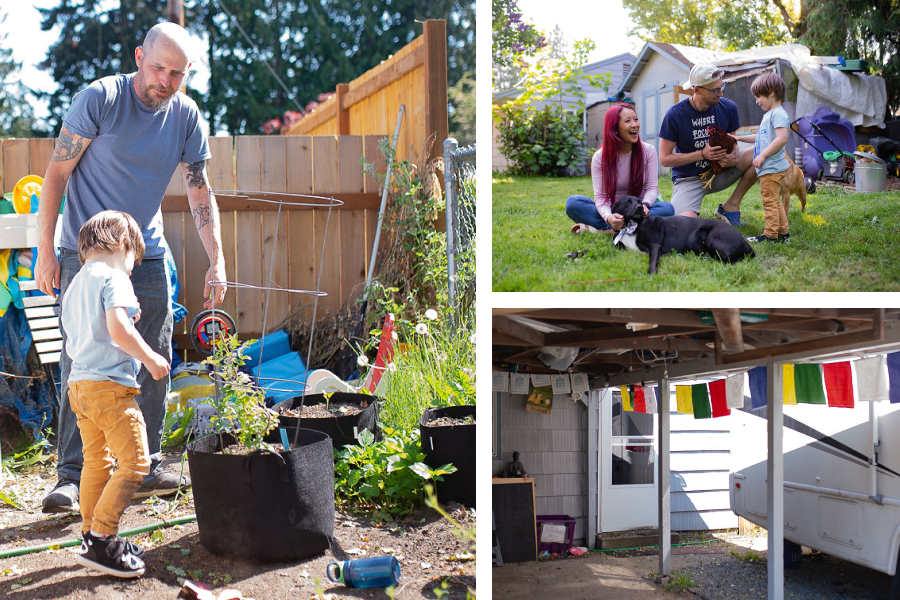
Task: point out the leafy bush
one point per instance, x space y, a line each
549 141
538 134
386 478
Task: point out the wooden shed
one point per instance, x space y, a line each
660 70
596 463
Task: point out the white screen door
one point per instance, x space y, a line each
627 466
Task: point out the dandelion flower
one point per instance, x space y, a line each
422 328
431 314
362 360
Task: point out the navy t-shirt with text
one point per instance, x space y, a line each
686 126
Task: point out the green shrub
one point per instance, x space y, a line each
549 141
385 478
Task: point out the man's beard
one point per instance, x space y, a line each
156 104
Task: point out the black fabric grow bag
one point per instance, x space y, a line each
264 507
451 444
340 428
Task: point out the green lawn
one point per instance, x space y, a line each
843 242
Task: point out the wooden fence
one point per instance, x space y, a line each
416 76
323 165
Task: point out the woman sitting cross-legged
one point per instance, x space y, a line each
623 166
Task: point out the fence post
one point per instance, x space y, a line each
436 116
343 115
450 146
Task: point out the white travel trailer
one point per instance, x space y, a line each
841 479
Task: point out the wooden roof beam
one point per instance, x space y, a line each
606 335
514 329
728 324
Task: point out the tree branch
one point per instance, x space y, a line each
784 14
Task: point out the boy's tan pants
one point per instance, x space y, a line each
111 425
773 208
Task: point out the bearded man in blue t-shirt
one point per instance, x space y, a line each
120 143
683 147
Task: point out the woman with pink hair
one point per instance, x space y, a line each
623 166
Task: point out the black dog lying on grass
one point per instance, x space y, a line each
660 235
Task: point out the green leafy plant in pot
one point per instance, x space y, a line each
254 502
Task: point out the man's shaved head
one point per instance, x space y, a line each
162 63
170 36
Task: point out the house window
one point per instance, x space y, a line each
633 455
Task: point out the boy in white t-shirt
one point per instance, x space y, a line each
99 310
770 162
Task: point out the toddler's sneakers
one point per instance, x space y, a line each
783 238
762 238
110 555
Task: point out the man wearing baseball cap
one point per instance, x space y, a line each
683 147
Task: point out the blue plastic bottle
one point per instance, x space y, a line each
378 571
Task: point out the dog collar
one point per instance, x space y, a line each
627 230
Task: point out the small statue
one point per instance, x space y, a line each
515 468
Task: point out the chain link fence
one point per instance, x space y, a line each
459 184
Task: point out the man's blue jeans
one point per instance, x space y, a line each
151 286
581 209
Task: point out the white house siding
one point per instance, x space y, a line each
660 72
553 449
700 461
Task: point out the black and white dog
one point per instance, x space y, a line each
660 235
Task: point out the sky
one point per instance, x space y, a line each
22 31
606 23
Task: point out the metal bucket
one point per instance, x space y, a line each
870 177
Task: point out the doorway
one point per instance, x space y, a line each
627 466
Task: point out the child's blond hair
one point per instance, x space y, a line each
107 231
767 84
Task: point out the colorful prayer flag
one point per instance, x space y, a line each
683 400
871 378
700 401
638 400
734 391
893 367
838 384
808 384
626 398
650 400
718 399
789 390
758 394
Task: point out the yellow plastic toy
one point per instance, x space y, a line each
25 188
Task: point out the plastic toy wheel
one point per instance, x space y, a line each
206 326
22 192
819 175
849 177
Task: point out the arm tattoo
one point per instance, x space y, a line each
196 178
201 215
67 147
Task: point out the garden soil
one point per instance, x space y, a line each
433 558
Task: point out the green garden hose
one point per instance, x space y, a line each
75 542
657 545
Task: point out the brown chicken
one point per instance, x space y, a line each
717 137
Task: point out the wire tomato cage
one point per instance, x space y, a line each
281 199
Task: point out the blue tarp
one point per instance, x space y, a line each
29 398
